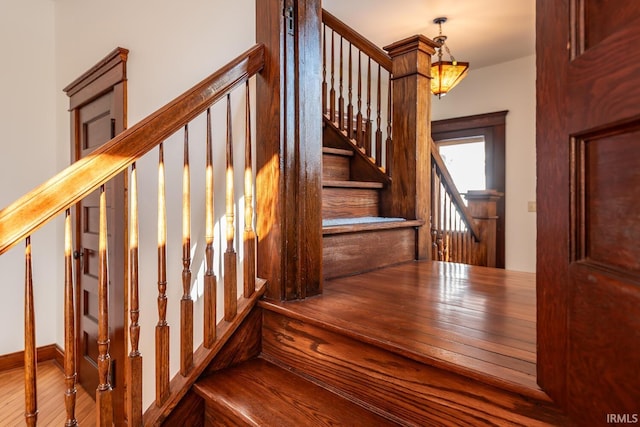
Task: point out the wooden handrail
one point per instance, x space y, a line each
453 192
39 206
357 40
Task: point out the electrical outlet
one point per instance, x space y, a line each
531 206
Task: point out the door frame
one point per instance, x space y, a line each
492 126
109 74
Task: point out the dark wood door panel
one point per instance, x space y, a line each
604 80
95 123
602 18
603 359
610 212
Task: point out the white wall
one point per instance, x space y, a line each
173 45
27 85
507 86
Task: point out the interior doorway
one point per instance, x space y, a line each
97 105
490 128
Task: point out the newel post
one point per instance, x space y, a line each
483 205
409 195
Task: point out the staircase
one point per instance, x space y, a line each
355 237
310 367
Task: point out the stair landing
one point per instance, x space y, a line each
461 337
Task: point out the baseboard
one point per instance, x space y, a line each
47 352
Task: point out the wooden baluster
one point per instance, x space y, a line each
379 119
388 141
69 326
341 98
324 69
210 280
367 128
450 230
359 138
458 239
332 92
349 124
104 399
249 234
186 303
134 373
434 211
30 356
162 328
230 257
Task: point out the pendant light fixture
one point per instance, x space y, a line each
445 75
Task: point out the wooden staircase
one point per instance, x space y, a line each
355 237
323 362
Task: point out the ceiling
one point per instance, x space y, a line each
481 32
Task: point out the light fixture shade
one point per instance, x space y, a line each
446 74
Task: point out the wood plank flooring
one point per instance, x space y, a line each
51 388
476 321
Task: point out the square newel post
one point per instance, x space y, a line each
483 205
409 195
289 148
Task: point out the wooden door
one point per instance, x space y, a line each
98 114
588 156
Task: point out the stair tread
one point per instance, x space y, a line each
352 184
370 225
337 151
261 393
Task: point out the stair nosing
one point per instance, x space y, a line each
352 184
337 151
430 360
370 226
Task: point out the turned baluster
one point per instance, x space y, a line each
359 138
69 326
388 141
104 398
435 209
324 69
349 124
162 328
30 356
379 119
230 257
332 92
210 280
134 373
341 125
186 303
249 236
367 127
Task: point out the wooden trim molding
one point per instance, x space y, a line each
45 353
493 127
108 72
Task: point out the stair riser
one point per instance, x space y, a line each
352 253
407 390
335 167
349 202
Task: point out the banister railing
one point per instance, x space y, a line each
37 207
356 90
454 231
22 218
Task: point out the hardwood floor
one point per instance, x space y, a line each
477 321
51 390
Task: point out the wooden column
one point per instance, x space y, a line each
483 205
409 195
288 155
